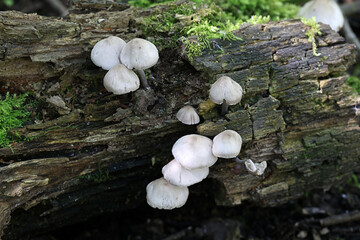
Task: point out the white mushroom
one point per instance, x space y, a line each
194 151
163 195
106 52
188 115
139 54
325 11
260 167
120 80
255 168
250 166
225 91
227 144
177 175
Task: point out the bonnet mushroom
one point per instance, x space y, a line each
177 175
194 151
225 91
187 115
106 52
163 195
325 11
255 168
120 80
227 144
139 54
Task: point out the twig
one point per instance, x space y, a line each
59 6
342 218
350 35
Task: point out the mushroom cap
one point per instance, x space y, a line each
106 52
194 151
227 144
120 80
250 166
187 115
260 167
255 168
177 175
163 195
225 89
325 11
139 54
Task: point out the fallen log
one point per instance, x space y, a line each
99 153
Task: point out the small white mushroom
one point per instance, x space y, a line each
120 80
177 175
139 54
187 115
194 151
255 168
250 166
225 91
260 167
106 52
325 11
163 195
227 144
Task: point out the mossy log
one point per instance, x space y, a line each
98 153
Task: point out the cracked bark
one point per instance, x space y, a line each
297 114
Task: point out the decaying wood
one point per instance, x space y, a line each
297 114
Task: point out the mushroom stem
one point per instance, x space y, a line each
224 108
238 160
143 80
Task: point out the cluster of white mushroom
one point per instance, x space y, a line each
194 154
119 57
325 11
224 91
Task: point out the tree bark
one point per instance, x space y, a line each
98 154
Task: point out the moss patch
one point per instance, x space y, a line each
195 24
312 32
14 111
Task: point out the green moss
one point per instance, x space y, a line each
8 3
354 82
312 32
204 31
181 22
354 181
146 3
258 19
100 175
244 9
217 19
14 111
